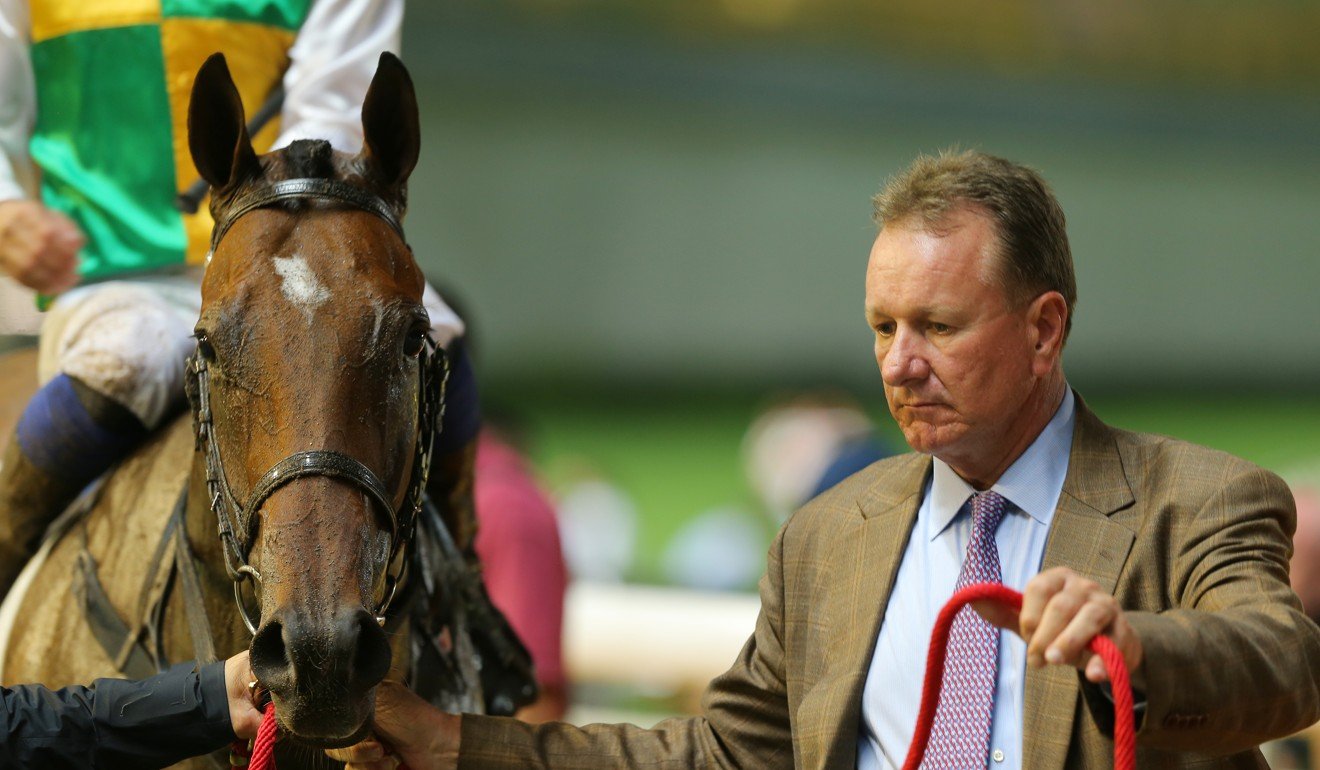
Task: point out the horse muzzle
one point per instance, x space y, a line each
321 669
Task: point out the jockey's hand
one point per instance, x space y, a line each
243 713
1061 612
408 731
39 247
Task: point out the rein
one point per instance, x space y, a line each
237 522
1125 740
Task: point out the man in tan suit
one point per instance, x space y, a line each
1177 552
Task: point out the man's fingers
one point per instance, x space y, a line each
244 716
370 754
1095 670
1038 592
369 750
1057 614
1093 617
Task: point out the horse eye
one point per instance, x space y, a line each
205 347
412 344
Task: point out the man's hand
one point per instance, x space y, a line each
411 732
1061 612
39 247
243 713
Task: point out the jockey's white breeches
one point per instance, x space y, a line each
128 339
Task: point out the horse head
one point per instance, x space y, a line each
312 355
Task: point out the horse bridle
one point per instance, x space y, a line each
237 523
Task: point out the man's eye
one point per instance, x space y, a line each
939 328
885 328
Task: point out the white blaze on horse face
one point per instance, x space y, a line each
300 285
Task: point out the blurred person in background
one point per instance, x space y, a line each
522 562
598 523
1176 552
796 449
1305 566
793 450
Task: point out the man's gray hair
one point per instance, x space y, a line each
1033 237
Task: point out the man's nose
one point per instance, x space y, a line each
905 359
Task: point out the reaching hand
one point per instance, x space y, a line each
411 732
1061 612
243 713
39 247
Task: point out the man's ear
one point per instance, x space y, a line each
391 134
1047 324
217 132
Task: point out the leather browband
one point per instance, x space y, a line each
302 189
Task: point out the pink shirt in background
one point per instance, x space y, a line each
518 543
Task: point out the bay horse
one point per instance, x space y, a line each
315 391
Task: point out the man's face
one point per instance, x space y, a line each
955 357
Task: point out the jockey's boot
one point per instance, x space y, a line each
68 435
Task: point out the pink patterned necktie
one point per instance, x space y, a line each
960 739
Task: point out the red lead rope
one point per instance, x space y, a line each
263 750
1125 739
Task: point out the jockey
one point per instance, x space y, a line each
93 151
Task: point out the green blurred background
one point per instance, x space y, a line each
657 214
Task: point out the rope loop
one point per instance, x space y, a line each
1125 738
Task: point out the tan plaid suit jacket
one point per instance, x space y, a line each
1194 543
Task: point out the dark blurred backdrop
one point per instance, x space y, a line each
631 194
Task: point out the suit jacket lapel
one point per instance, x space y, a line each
1083 538
878 538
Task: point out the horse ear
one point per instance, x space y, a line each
217 133
391 134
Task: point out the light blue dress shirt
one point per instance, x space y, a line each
926 579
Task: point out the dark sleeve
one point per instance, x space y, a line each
462 417
116 723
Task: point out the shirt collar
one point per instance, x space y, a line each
1032 483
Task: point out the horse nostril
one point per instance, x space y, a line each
297 653
371 659
270 658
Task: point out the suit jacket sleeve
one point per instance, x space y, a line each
1235 662
744 721
116 723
